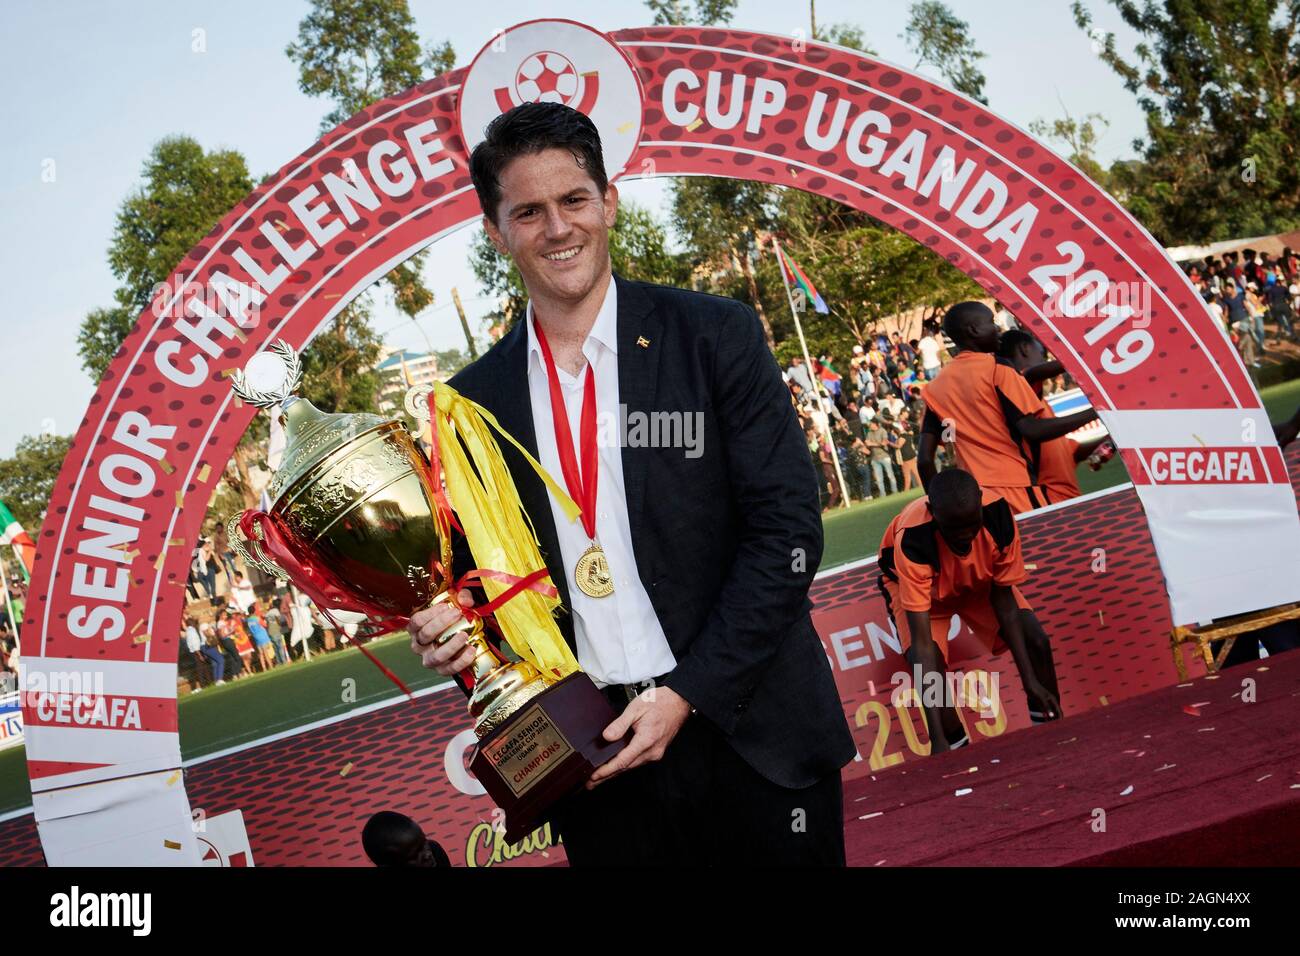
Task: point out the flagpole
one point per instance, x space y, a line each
815 378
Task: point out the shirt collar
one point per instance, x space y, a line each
604 331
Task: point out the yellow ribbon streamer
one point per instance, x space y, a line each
500 534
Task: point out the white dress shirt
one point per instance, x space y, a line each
619 638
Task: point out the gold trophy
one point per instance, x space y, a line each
359 522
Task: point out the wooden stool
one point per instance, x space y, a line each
1225 630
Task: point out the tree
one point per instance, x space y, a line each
638 249
943 40
185 192
1080 137
1220 86
27 479
679 13
354 53
338 369
718 221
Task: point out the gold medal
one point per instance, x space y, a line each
591 573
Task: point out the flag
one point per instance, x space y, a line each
795 277
12 534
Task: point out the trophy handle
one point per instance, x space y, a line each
283 551
245 548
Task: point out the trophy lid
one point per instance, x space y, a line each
310 434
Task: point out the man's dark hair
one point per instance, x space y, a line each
527 129
382 837
954 489
1011 342
959 316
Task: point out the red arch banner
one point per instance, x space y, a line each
1065 258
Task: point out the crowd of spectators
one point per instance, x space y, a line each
234 628
1247 290
873 409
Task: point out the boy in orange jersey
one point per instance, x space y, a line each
957 551
994 413
1057 460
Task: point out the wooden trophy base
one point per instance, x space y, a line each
545 752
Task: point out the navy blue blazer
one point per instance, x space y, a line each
727 541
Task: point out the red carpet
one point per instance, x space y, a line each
1214 782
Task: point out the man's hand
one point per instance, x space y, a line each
655 717
1042 700
452 656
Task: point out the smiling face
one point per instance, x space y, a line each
553 222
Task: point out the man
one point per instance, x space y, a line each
929 349
798 373
880 443
711 555
1057 460
992 412
957 551
393 839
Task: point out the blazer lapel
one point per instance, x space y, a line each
639 345
514 411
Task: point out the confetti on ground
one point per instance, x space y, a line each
858 799
963 791
279 225
1192 709
1211 676
166 466
135 627
1126 791
995 761
1104 701
1188 684
961 773
175 542
1295 786
878 862
204 472
1061 743
1011 786
624 127
1199 439
173 778
1031 567
332 295
878 813
1204 730
871 686
1261 668
1101 617
1202 703
1168 766
695 125
1046 813
171 844
347 769
180 499
141 639
227 372
1263 778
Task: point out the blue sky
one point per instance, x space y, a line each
93 85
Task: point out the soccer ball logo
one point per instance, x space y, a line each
546 77
550 77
